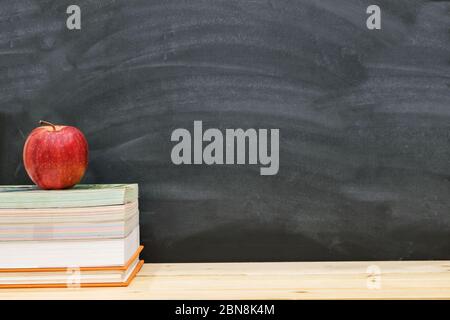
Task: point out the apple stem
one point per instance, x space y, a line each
46 123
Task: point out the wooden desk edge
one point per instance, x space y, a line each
270 280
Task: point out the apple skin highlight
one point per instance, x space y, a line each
55 157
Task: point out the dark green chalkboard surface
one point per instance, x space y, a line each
364 119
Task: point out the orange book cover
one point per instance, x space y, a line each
82 285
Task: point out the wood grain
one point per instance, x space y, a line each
286 280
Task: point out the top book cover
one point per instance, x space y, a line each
82 195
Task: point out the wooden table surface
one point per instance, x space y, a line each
286 280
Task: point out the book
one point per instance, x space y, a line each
68 253
71 279
69 223
87 195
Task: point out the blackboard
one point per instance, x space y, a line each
363 115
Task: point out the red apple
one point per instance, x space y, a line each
55 157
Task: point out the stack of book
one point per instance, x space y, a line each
85 236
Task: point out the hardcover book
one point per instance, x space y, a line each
83 195
72 277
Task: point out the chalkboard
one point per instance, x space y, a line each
363 117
